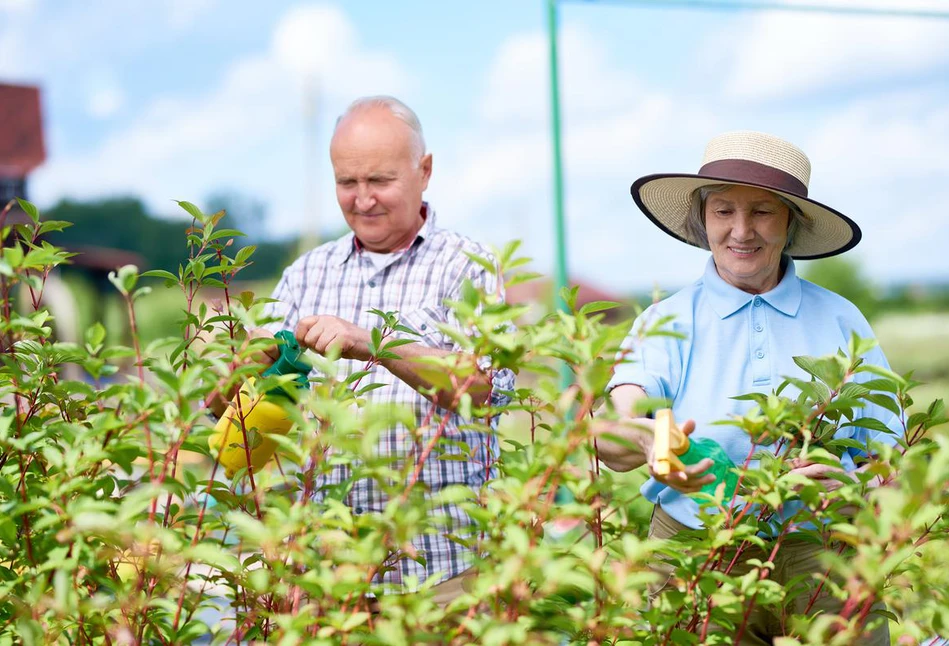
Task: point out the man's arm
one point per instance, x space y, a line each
320 333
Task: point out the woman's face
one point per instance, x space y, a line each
747 229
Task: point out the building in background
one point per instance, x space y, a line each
22 147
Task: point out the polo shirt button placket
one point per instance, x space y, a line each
762 371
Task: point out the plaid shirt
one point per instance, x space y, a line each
337 279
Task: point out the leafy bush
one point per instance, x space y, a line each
109 535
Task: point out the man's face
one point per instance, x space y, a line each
379 179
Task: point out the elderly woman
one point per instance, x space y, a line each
741 324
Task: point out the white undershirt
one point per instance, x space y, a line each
380 261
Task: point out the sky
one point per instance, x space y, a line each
182 99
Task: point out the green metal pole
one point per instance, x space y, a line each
560 272
560 257
563 494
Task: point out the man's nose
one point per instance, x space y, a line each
364 199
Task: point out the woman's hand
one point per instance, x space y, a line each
693 478
817 472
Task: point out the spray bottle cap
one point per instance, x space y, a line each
289 362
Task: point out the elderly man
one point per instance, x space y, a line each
395 259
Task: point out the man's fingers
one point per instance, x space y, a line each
271 352
314 338
304 326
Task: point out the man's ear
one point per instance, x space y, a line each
425 165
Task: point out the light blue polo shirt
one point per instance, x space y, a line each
736 343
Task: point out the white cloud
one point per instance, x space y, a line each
881 160
518 79
497 183
868 154
16 5
884 138
105 101
184 13
777 55
186 146
320 42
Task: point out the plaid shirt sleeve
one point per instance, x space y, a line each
502 381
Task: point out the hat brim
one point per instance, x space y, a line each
666 198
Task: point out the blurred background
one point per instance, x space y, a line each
111 110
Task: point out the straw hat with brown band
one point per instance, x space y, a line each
751 159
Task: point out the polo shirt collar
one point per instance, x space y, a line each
727 299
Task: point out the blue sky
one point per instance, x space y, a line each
178 99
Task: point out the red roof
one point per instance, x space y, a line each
21 134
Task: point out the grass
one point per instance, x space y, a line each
919 343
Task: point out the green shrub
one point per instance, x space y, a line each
109 535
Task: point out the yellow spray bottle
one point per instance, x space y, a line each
673 450
263 415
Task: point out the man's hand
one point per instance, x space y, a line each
320 333
268 355
817 472
217 402
693 478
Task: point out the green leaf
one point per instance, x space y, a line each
193 211
886 402
95 335
160 273
124 279
829 370
485 263
30 209
869 423
523 277
368 388
244 253
598 306
53 225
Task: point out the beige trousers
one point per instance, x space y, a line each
795 557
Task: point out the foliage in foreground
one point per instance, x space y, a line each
107 536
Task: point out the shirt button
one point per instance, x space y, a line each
372 283
757 302
424 327
758 328
358 510
759 354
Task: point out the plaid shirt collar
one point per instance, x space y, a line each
349 245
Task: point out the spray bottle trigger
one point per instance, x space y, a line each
669 442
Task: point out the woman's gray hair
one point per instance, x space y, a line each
695 221
398 110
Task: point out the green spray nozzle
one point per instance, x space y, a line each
289 362
673 450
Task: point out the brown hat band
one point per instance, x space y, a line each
743 171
